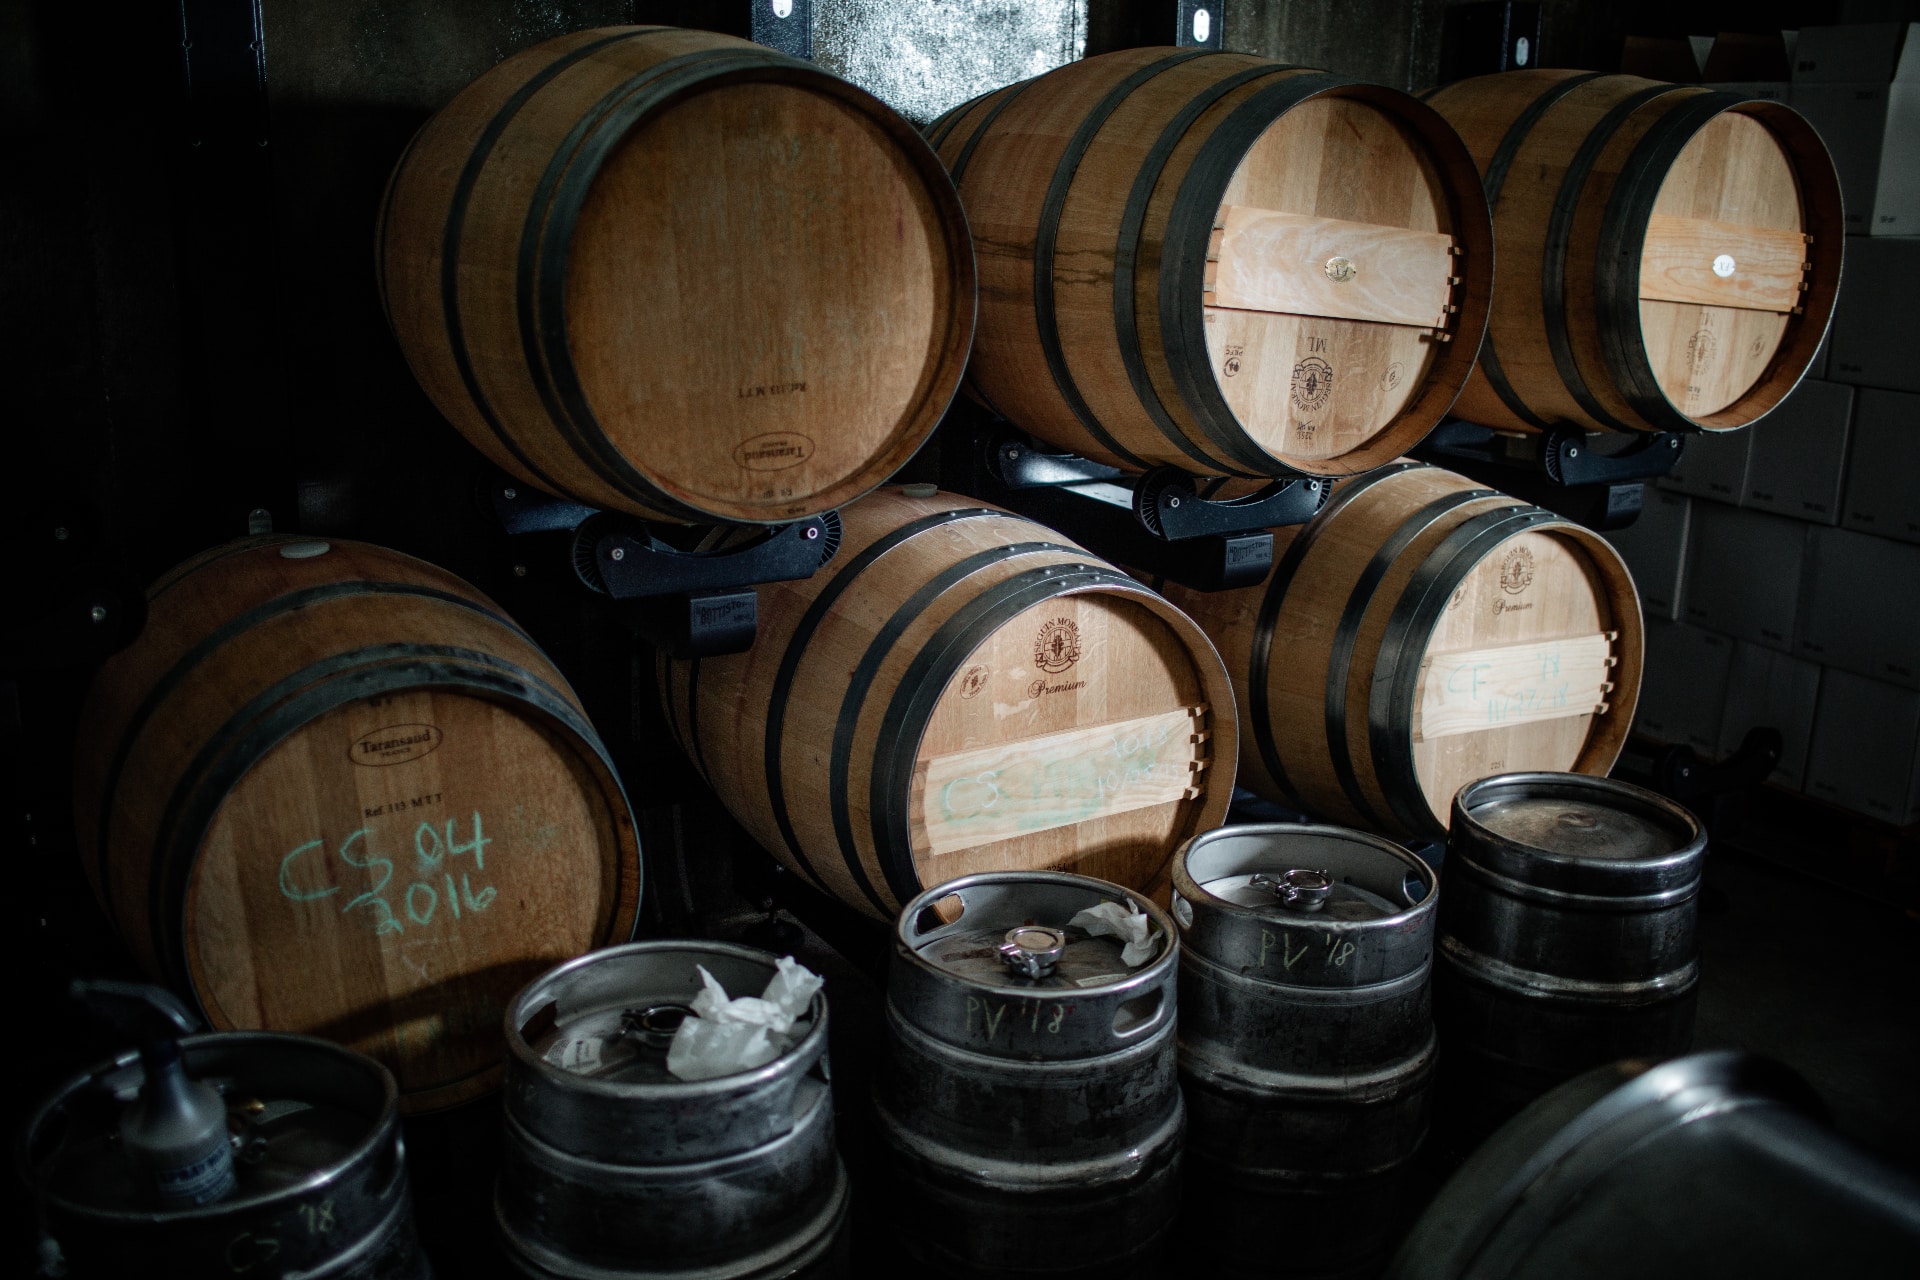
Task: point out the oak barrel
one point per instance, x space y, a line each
679 275
1669 254
961 690
333 789
1220 263
1419 633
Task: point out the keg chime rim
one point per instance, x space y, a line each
907 942
1485 848
1187 887
381 1128
527 1003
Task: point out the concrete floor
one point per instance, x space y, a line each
1824 981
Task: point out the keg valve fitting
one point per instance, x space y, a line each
1032 951
1299 889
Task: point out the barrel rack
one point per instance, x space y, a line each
1163 522
693 603
1560 469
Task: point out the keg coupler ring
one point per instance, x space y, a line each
655 1024
1032 950
1298 889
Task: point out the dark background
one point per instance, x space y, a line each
190 333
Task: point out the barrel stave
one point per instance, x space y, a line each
333 789
952 656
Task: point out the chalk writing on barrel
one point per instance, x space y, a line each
421 900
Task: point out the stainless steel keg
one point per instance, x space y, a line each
1719 1164
1306 1044
1027 1099
1566 937
615 1167
322 1182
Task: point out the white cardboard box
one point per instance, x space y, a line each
1798 454
1865 736
1876 322
1883 465
1713 465
1743 574
1861 610
1859 86
1683 686
1655 549
1771 690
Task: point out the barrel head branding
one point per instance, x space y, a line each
773 451
1390 380
1232 365
972 681
395 744
1516 571
1700 348
1057 647
1312 385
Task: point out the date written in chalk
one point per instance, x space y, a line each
991 1015
1280 948
308 874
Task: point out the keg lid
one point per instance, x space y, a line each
1576 816
1579 828
1031 954
300 1111
1304 905
1088 966
610 1016
1323 895
1577 834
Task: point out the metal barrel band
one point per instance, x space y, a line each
1574 900
1047 235
796 651
1396 671
1346 636
853 702
1260 660
1553 260
1617 259
1126 254
455 228
1183 259
1532 984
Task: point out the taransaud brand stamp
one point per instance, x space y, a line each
395 744
773 451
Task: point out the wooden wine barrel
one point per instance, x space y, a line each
679 275
1220 263
333 789
1669 254
1418 634
961 690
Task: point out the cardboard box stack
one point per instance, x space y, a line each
1780 566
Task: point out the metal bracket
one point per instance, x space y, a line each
1560 469
1679 772
693 603
1159 522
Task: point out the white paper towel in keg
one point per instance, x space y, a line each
726 1034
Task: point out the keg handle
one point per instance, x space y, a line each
1033 950
1298 889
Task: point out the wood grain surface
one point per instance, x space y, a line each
961 690
334 790
680 275
1613 199
1093 193
1333 673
